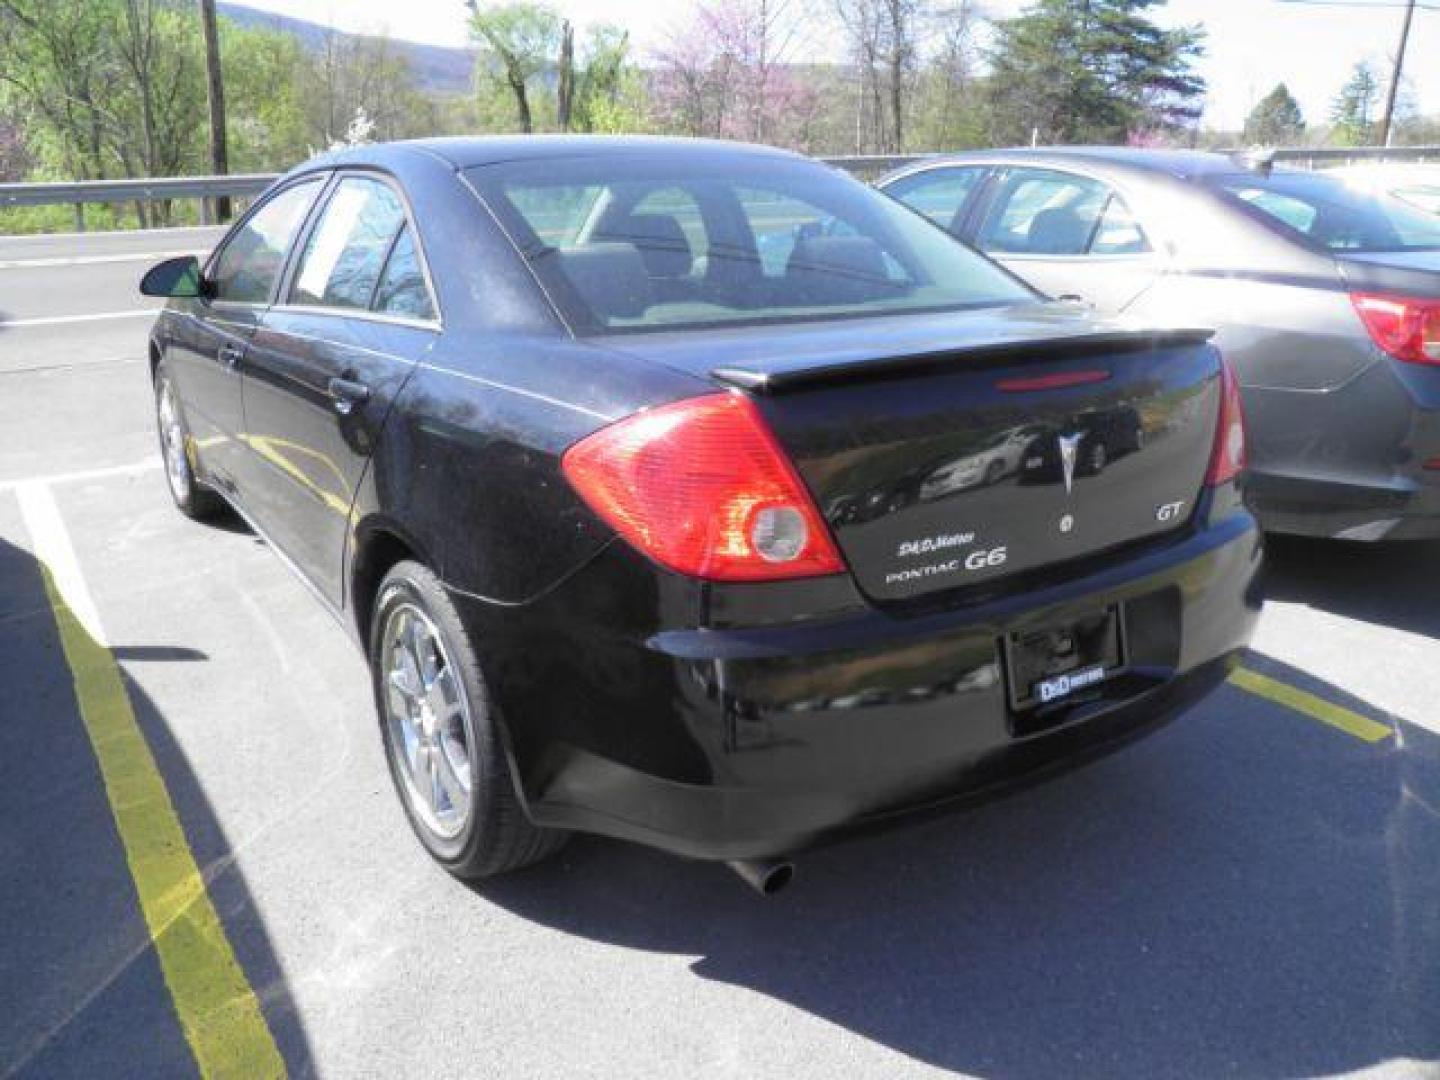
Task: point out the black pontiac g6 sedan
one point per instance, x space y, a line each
613 456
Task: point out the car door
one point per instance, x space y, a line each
325 365
942 193
208 345
1068 235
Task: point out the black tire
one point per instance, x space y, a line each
497 836
994 473
191 496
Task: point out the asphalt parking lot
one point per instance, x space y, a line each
197 828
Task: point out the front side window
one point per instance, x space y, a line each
655 242
346 251
248 265
937 193
1332 213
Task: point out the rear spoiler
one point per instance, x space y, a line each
760 381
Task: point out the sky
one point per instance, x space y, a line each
1309 45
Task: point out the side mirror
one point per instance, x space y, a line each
178 278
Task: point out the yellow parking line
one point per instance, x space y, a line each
217 1008
1337 716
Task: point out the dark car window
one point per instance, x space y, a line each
346 250
641 243
1048 212
402 289
248 265
1332 213
937 193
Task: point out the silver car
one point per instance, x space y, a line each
1324 296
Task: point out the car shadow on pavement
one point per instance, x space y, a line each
1390 584
1247 893
81 988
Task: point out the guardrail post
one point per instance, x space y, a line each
205 211
79 217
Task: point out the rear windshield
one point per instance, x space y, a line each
650 243
1334 214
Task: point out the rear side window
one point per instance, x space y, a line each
246 269
1332 213
937 193
402 289
1047 212
346 251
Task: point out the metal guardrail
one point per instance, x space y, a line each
115 191
1322 157
78 193
207 188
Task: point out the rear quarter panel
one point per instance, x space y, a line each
470 460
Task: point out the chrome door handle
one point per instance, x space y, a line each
346 394
230 354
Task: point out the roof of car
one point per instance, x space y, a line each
1182 164
465 153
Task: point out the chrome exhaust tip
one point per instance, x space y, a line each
766 876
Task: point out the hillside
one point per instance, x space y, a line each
437 69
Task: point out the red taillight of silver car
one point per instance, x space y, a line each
1406 327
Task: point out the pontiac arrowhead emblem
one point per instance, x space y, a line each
1069 450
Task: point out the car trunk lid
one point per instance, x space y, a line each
970 448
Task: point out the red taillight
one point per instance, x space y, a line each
702 487
1227 460
1406 327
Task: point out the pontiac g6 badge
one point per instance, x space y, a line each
1069 450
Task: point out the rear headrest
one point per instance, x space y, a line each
837 269
1058 231
661 240
610 278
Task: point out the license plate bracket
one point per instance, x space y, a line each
1056 663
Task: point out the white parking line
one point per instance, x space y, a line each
83 474
53 548
57 320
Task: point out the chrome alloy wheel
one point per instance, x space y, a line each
427 721
172 441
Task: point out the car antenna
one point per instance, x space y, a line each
1256 159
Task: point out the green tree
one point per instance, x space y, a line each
1354 106
1276 120
601 81
58 74
518 43
1091 71
266 75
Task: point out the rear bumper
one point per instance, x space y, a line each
754 742
1349 463
1397 507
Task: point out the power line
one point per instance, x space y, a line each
1372 4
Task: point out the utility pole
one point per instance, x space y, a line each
1388 120
218 158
